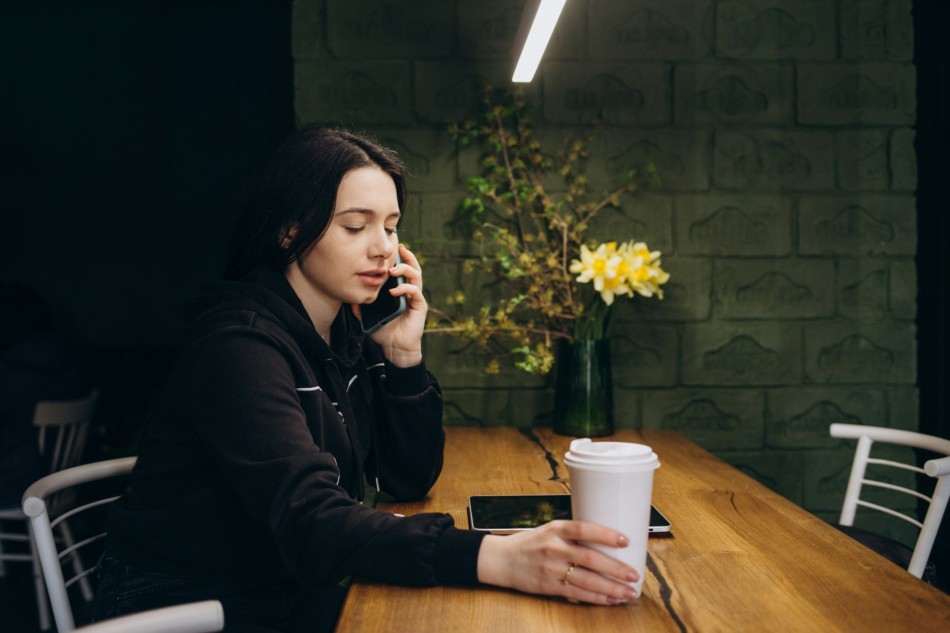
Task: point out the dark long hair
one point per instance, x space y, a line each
297 187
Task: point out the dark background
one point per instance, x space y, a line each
933 210
124 128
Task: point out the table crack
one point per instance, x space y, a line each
548 456
666 593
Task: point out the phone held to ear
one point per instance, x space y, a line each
385 308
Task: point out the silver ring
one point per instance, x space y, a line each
564 580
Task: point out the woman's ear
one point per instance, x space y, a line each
287 236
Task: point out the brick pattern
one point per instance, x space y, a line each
783 134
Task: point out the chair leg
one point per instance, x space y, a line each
40 585
84 584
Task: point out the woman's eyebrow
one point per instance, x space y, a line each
364 211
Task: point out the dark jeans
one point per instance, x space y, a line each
125 588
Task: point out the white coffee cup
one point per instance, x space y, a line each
612 485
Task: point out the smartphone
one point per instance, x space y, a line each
385 308
503 514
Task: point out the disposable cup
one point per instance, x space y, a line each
612 485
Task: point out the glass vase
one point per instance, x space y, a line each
583 393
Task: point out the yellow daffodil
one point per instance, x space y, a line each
606 267
645 275
631 268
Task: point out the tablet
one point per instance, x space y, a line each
503 514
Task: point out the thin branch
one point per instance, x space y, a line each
495 331
603 203
512 186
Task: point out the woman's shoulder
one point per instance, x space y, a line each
249 333
248 311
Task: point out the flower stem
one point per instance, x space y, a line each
593 325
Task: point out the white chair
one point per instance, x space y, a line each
62 428
37 507
938 468
194 617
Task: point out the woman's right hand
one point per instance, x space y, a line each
538 560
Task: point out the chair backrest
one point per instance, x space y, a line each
194 617
37 507
936 468
62 427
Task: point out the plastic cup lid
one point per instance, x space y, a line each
585 451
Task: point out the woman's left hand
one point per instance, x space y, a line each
401 338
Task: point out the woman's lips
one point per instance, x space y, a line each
373 278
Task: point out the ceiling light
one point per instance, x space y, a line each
541 15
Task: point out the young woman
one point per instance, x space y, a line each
251 468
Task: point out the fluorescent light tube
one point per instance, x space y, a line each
541 29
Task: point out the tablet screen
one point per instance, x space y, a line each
510 513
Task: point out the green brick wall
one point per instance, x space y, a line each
783 134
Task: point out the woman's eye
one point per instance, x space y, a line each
391 230
353 229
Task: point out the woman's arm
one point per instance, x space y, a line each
248 414
409 440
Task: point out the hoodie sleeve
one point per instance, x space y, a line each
409 443
247 412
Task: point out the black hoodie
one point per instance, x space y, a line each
251 466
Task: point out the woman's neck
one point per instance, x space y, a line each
321 309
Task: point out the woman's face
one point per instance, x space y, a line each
348 263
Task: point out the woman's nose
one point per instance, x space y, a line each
383 245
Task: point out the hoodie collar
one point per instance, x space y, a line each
268 293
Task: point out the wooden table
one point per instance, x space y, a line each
741 558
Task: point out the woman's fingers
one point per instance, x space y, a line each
594 576
555 560
414 296
588 586
588 558
590 532
408 257
409 268
586 532
412 287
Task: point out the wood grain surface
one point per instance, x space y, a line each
741 557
